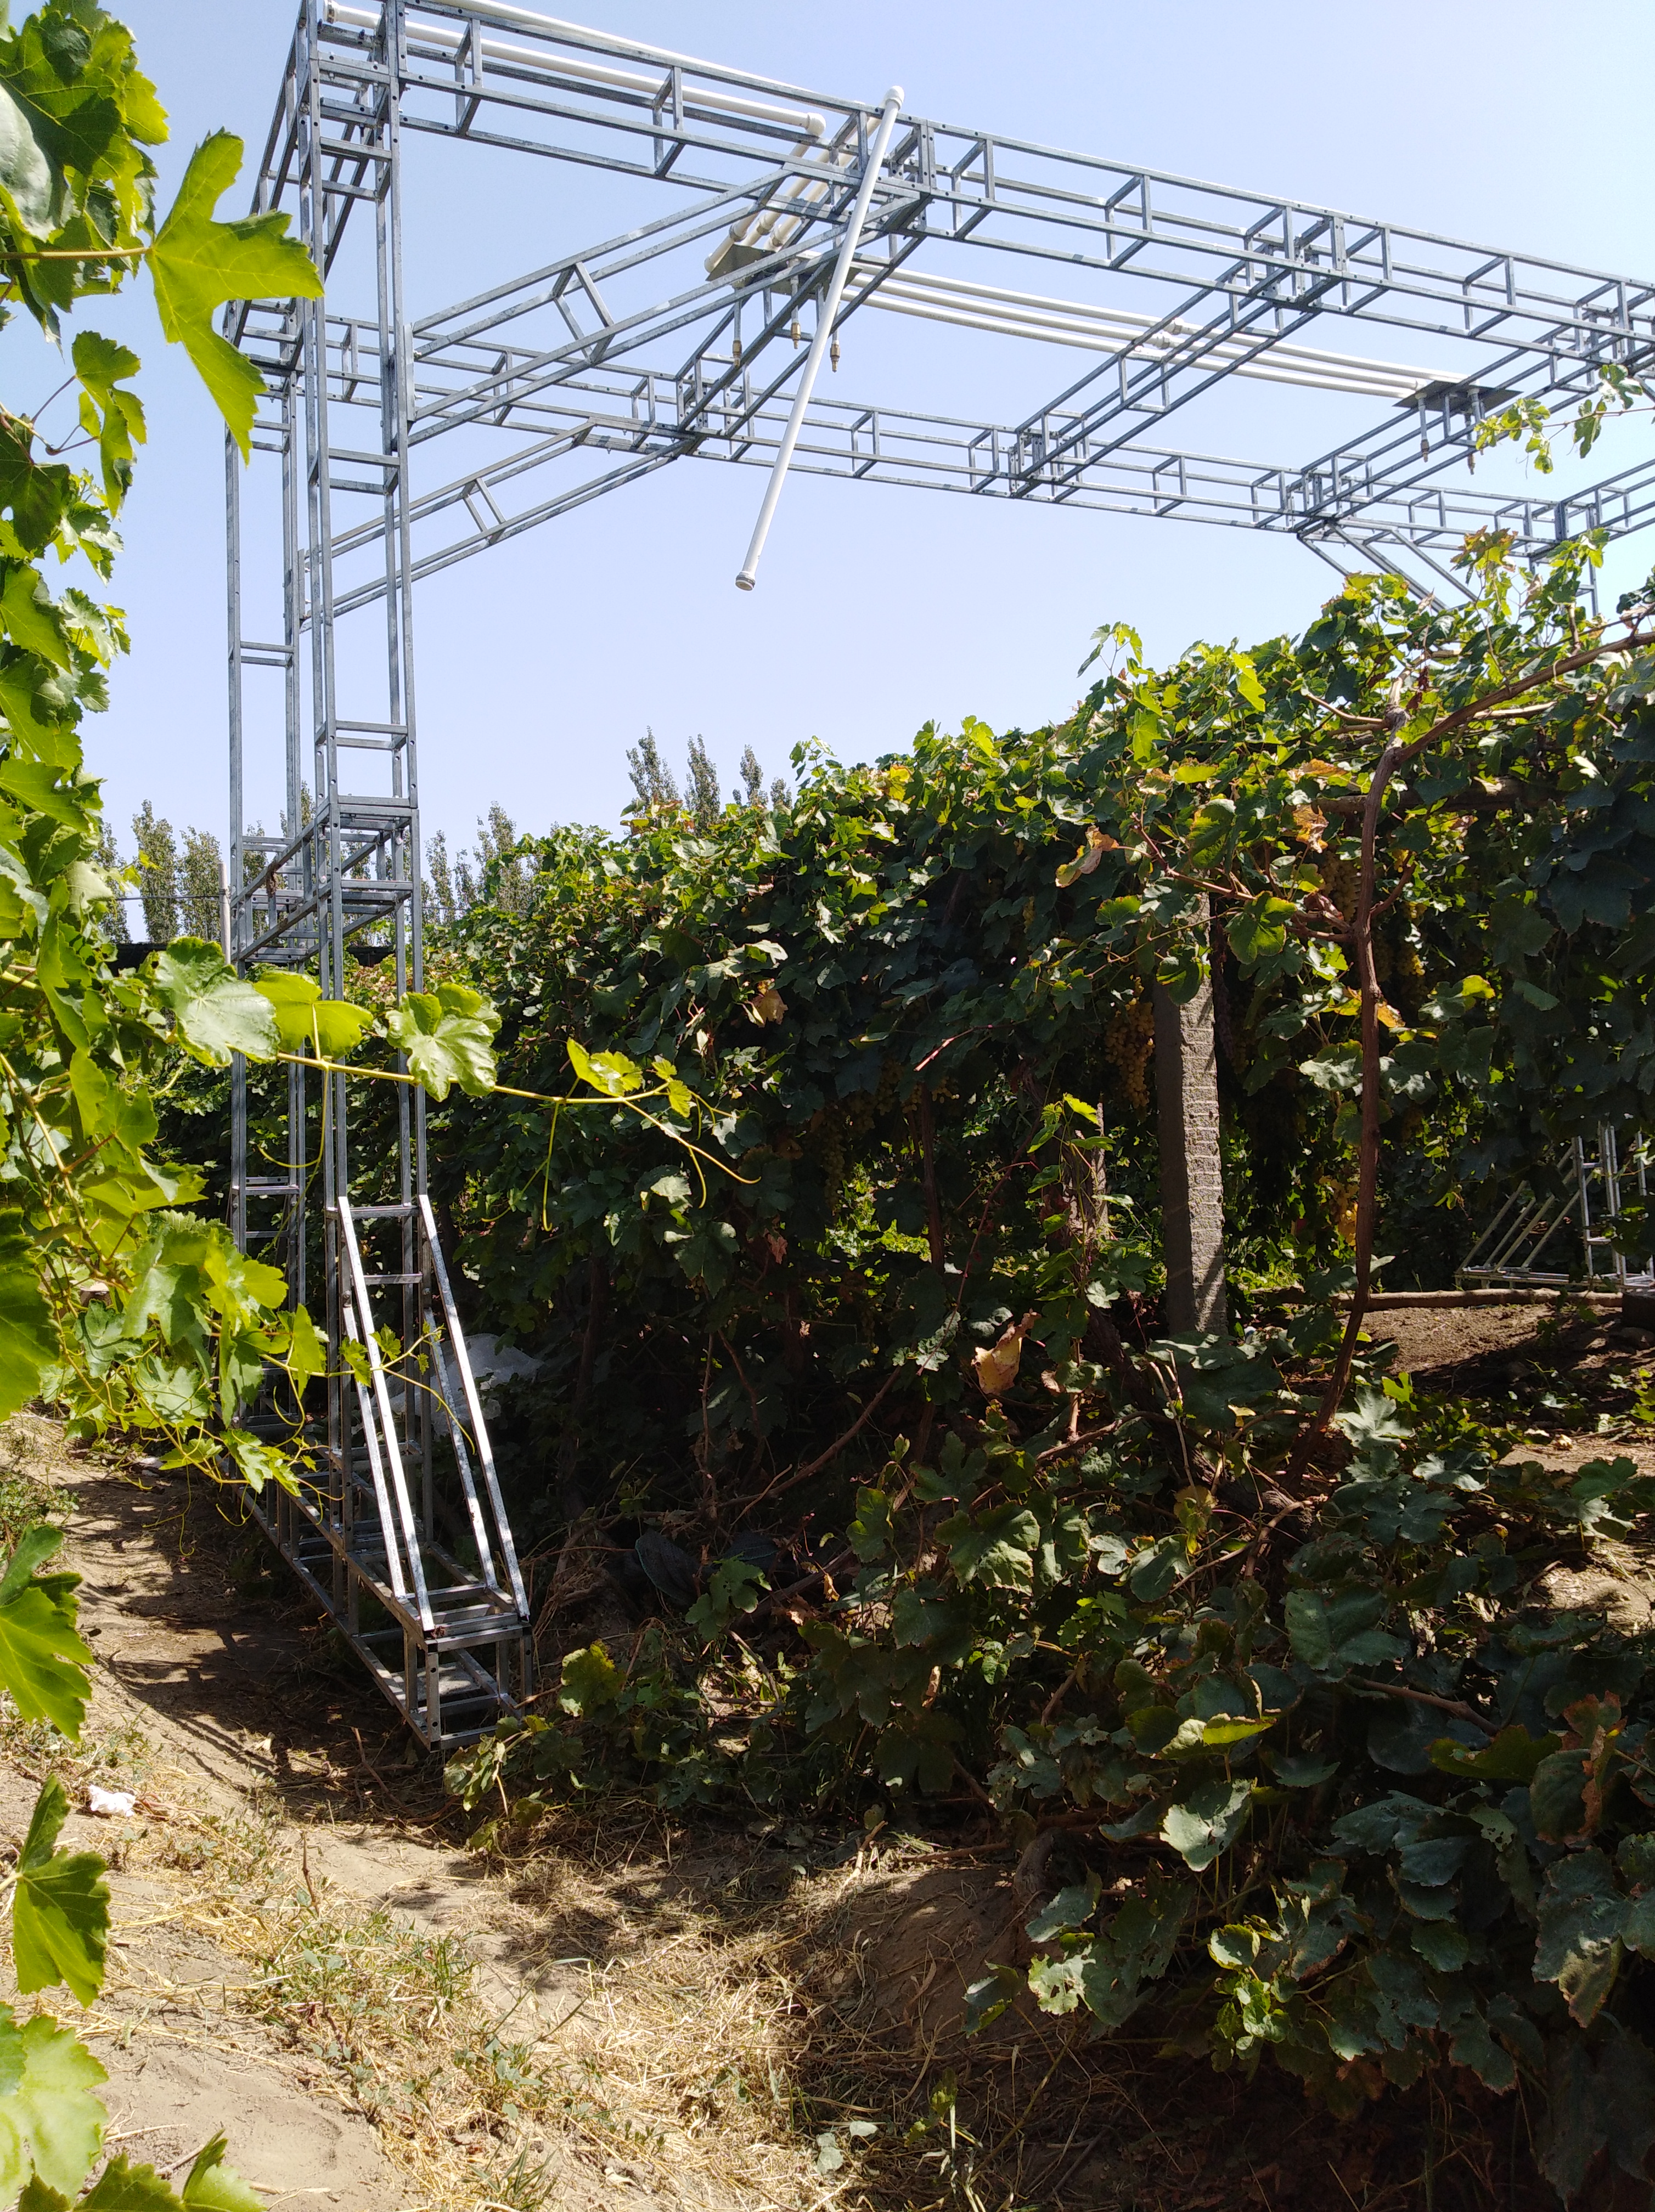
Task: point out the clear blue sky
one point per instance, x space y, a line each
540 662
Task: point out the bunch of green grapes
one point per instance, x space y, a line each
1341 881
1129 1045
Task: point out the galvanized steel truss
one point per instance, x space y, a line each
679 336
1576 1231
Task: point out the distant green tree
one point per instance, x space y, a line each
200 885
157 864
700 791
752 779
652 781
454 885
497 837
118 877
441 905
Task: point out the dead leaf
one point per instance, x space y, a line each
1088 858
766 1005
997 1364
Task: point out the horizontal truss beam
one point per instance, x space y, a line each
645 422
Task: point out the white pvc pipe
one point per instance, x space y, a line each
830 307
1098 337
1066 322
450 38
924 281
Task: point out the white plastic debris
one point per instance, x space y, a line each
112 1804
494 1364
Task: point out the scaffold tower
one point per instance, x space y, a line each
753 222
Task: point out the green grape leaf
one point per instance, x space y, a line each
43 1661
59 126
1206 1821
590 1678
996 1551
198 265
124 2187
217 1014
448 1036
28 1339
1512 1756
291 998
257 1463
60 1910
329 1027
212 2186
307 1349
612 1072
49 2118
32 619
1259 929
113 417
37 2197
339 1027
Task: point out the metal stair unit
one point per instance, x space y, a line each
404 1491
446 1641
1521 1246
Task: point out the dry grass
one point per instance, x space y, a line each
663 2066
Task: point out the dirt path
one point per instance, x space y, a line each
277 1852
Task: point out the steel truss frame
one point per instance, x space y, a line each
679 336
612 352
1575 1224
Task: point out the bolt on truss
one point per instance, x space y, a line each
752 221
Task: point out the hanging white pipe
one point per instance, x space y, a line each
450 38
818 346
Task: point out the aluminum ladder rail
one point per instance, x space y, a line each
446 1638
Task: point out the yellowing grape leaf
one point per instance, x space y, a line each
1087 859
997 1364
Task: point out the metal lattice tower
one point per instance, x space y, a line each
398 438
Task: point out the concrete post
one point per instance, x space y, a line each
1192 1183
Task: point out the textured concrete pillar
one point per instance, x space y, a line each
1192 1183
